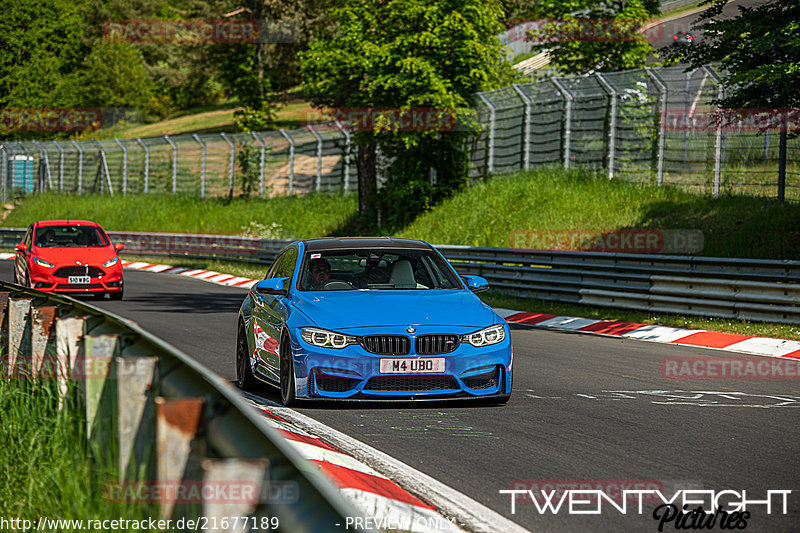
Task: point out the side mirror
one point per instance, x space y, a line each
21 247
118 246
476 283
272 286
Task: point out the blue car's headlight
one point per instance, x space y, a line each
326 339
486 336
42 262
110 262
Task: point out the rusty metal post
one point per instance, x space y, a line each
42 340
180 445
93 369
69 333
135 377
243 484
19 334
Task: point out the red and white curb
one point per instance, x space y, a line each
730 342
205 275
361 476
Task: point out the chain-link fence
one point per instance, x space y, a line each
648 125
270 163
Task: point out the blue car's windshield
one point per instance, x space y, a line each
376 270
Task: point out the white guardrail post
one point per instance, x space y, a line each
60 166
318 137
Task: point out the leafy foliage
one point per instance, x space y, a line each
758 52
586 35
406 55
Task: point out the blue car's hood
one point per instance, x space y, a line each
351 309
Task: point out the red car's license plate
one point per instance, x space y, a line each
82 280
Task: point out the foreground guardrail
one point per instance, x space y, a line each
165 421
746 289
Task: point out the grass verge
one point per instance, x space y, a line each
45 468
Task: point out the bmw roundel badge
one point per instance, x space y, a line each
411 329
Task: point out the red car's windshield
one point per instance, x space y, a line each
69 236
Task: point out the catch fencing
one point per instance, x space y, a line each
645 125
269 163
652 125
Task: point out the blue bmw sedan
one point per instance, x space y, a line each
371 319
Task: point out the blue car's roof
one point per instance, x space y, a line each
364 242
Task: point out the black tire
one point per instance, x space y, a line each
244 374
288 396
117 295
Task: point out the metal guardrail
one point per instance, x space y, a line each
158 415
747 289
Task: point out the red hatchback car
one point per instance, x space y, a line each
70 256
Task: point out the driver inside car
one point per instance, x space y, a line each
320 271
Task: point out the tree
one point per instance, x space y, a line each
417 56
758 53
114 76
587 35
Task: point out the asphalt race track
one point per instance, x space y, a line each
586 409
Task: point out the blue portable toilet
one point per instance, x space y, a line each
22 172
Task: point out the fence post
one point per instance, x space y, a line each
526 159
4 171
492 124
318 137
27 158
203 166
231 168
43 157
60 166
124 166
291 159
10 163
662 111
80 166
612 123
146 163
782 157
346 154
567 134
261 164
718 140
174 164
104 162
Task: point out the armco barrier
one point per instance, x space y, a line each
162 418
748 289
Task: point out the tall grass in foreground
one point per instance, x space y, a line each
45 467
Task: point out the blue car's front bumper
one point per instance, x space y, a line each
354 373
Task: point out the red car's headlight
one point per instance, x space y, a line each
42 262
110 262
